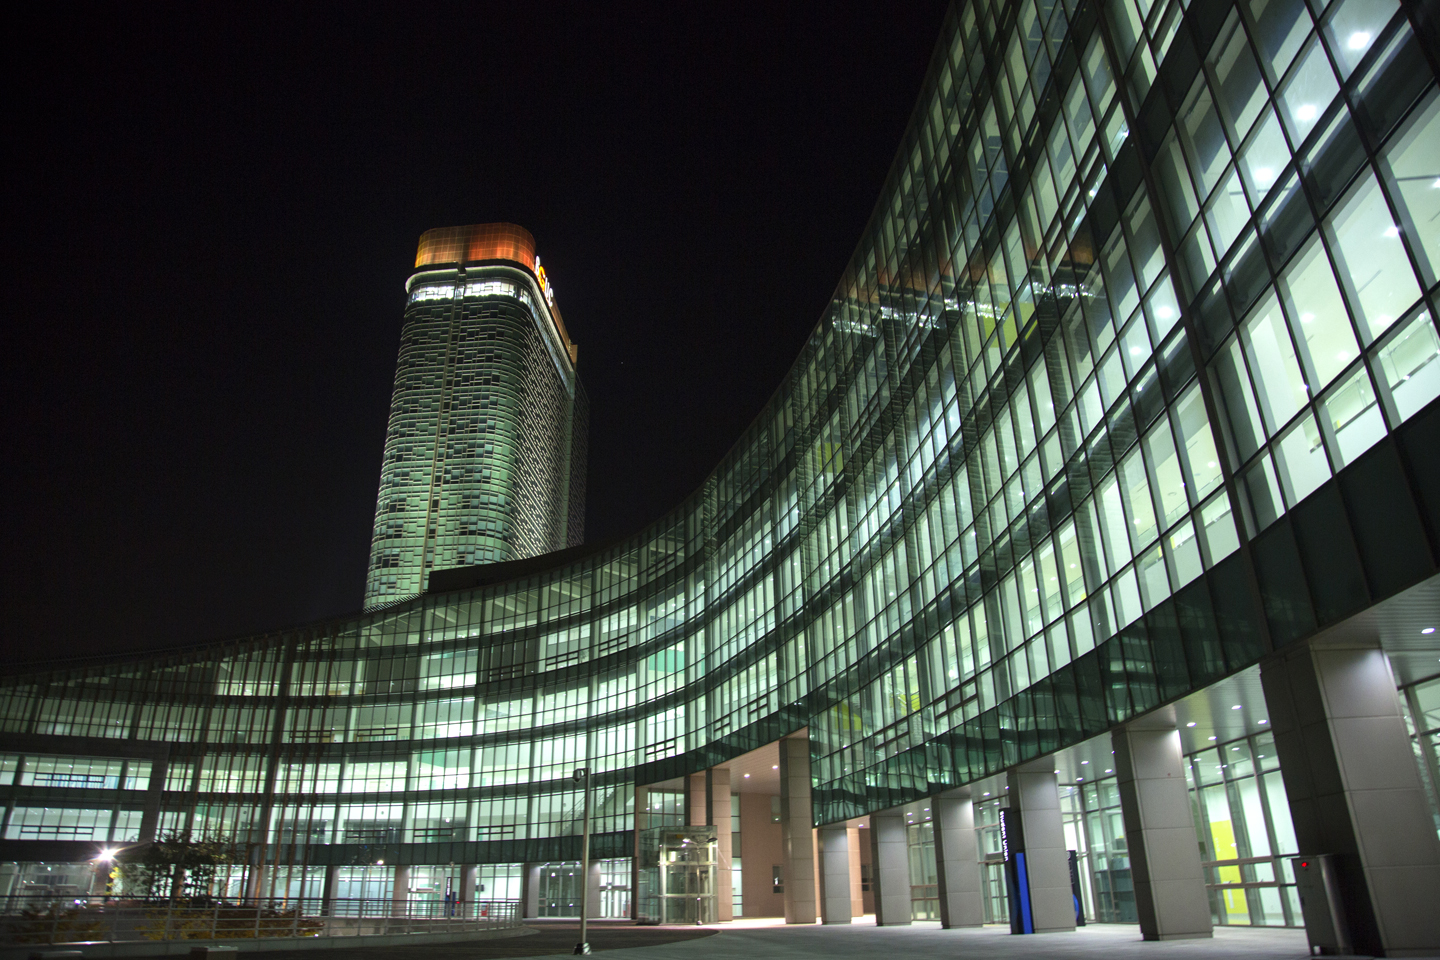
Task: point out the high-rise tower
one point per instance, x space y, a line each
485 452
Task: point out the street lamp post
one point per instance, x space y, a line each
582 777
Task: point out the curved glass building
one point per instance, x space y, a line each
1105 493
485 453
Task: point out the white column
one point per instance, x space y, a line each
592 890
1035 792
332 879
466 892
1354 790
718 800
834 841
697 812
642 821
530 891
797 830
890 867
857 896
400 893
957 865
1170 894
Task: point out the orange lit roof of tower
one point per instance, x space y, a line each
488 241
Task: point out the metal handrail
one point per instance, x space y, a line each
49 919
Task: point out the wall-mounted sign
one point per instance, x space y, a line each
545 287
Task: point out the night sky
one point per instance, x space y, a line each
210 215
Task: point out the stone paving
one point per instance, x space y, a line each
773 940
924 941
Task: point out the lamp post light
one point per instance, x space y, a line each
582 777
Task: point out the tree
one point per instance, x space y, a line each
176 865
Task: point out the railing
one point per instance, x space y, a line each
33 919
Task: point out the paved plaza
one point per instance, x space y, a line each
764 939
924 941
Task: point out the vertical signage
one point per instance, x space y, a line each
1017 873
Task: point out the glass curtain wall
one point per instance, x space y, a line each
1146 281
1242 819
1095 830
924 879
992 860
1423 700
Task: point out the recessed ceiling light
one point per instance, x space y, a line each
1108 770
1214 738
747 776
1084 761
1190 724
775 767
1262 721
1428 630
1236 707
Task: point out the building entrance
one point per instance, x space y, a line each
678 869
561 887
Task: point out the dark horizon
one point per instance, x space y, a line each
218 210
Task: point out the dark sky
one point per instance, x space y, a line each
210 214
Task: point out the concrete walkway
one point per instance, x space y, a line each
923 941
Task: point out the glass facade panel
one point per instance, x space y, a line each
1245 833
1040 401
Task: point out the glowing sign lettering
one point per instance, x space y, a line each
545 286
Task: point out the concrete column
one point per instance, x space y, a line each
258 876
1035 792
642 821
890 867
1170 893
1354 790
797 831
717 788
467 891
530 891
332 880
696 812
592 891
957 865
857 897
834 843
400 893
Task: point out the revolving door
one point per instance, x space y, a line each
678 869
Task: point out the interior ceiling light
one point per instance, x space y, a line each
1190 724
1236 707
1427 631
